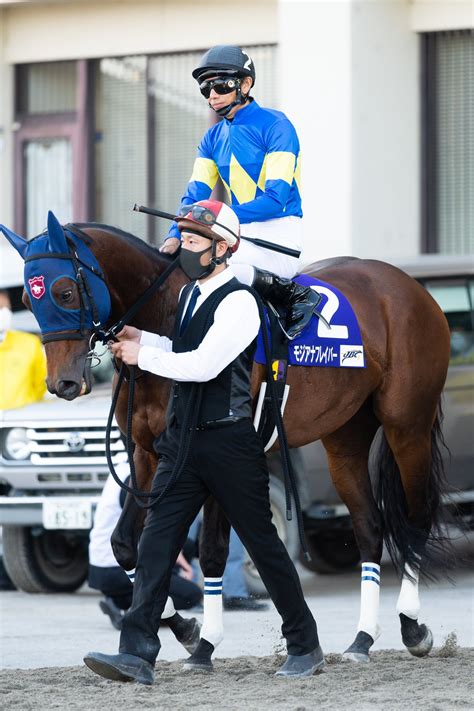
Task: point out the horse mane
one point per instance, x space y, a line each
147 249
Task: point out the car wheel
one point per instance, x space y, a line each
287 531
53 561
332 552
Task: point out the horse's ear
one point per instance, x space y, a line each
20 243
57 240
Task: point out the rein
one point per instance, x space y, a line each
111 333
291 486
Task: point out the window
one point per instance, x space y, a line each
45 88
49 142
132 137
180 117
120 142
455 297
149 119
48 181
448 142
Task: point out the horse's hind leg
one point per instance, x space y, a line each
213 552
348 454
412 456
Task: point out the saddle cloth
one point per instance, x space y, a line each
339 346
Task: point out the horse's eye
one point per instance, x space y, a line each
66 296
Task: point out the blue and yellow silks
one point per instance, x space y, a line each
257 157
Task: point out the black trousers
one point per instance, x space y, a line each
228 463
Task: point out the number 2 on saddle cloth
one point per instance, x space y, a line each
334 341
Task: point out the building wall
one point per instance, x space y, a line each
439 15
385 131
45 32
11 264
351 80
348 77
315 56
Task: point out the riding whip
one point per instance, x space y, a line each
259 242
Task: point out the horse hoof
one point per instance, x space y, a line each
359 650
418 639
424 647
187 632
358 657
200 659
204 667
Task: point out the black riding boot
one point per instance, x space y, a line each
300 301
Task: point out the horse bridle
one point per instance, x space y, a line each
85 291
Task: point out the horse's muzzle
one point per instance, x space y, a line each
69 389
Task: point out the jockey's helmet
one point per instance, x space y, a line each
225 59
212 219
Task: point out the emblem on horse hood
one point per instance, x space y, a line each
37 286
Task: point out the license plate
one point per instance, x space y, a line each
67 514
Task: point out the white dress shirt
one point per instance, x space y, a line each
236 324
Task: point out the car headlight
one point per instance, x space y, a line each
17 444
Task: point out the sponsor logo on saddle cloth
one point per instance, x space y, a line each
339 346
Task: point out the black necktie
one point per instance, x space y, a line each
189 311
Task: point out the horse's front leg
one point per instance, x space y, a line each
213 552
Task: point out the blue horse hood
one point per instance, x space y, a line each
52 255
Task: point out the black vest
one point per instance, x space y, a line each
227 395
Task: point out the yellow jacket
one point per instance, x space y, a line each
22 370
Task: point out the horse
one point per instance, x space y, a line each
407 346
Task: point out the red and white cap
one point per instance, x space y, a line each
214 220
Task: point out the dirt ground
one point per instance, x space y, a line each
392 680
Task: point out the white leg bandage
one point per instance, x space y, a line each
169 610
369 600
212 628
408 601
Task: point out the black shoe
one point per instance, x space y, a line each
301 666
121 667
244 603
300 301
109 608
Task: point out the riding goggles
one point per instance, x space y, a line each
221 85
204 216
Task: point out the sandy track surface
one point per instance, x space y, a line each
392 680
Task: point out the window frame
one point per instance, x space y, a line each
74 125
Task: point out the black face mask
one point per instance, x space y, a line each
190 263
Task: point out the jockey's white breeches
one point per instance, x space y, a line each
285 231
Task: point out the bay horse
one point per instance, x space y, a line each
407 346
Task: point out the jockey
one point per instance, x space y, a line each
255 152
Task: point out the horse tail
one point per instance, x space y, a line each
406 542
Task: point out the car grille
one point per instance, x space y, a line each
75 443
